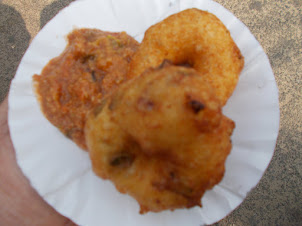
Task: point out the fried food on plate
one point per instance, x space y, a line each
161 138
93 64
197 39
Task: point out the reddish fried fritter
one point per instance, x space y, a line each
161 138
194 38
93 64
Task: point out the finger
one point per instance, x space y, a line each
20 203
3 118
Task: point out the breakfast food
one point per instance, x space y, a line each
161 138
93 64
149 115
197 39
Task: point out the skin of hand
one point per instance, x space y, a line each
20 203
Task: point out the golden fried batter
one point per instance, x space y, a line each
161 138
93 64
195 38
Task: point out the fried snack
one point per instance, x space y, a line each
161 138
197 39
93 64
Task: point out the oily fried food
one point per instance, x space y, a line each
93 64
197 39
161 138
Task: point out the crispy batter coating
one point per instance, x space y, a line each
161 138
93 64
195 38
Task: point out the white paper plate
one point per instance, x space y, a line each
61 172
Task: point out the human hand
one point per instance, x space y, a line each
20 203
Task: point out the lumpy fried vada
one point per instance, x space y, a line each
161 138
197 39
93 64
